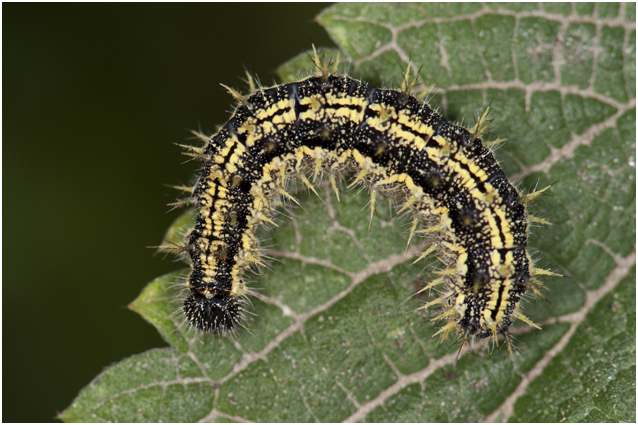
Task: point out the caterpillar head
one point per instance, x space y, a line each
215 314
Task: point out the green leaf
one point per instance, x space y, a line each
336 334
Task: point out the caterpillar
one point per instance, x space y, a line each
394 144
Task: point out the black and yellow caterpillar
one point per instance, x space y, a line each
397 146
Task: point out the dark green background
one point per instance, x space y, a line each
94 97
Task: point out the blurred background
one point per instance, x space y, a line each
94 95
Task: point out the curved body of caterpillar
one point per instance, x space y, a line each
395 145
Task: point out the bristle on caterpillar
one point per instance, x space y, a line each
396 146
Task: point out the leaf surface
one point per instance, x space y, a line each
336 335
